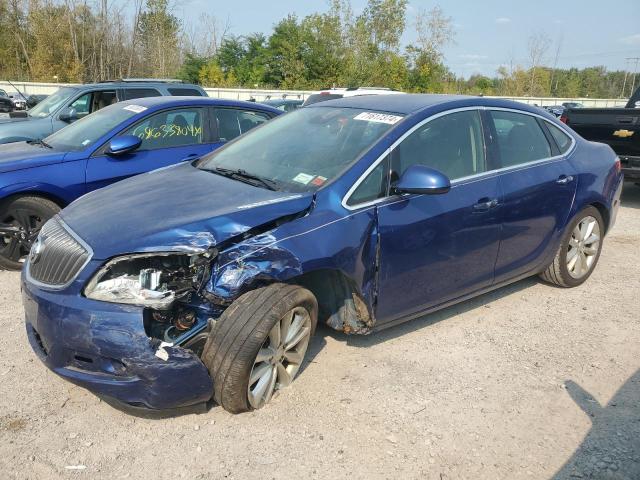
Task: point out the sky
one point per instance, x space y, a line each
489 33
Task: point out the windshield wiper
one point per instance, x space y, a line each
39 142
246 177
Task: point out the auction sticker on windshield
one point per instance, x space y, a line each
378 117
135 108
303 178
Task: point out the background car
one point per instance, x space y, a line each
556 110
69 104
19 101
335 93
6 104
362 213
572 105
38 178
284 104
34 99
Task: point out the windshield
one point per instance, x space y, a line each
85 132
50 104
305 149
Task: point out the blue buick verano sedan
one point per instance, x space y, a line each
206 279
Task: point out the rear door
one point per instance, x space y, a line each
538 186
168 137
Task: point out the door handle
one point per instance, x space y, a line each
564 179
485 204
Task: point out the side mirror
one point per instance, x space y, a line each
124 144
68 115
424 180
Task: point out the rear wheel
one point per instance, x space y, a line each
579 251
20 222
258 345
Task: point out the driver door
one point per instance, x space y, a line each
168 137
436 248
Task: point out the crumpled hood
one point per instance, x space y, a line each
180 208
19 155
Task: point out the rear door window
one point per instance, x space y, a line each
171 128
520 138
131 93
185 92
233 122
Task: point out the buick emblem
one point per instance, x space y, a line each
36 251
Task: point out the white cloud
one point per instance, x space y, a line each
503 20
472 56
631 39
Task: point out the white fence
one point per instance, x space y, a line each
258 94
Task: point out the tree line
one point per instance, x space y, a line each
92 40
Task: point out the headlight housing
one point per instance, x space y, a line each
149 279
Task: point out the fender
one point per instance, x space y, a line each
287 255
56 194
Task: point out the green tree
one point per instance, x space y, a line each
191 68
158 31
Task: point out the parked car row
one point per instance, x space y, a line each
39 177
206 277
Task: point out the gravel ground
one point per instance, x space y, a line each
530 381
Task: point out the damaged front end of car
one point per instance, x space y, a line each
169 286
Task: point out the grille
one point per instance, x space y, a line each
57 256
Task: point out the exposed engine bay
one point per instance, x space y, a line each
169 286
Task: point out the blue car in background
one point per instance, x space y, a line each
38 178
207 279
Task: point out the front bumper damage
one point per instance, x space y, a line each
104 348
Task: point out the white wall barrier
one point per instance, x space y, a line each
260 94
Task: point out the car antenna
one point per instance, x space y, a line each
16 89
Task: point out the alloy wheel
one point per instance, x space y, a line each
583 247
18 230
280 356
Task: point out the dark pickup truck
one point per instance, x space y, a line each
617 127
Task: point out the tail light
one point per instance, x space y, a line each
618 165
564 119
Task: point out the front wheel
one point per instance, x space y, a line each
258 344
20 222
579 250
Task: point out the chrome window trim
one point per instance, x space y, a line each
77 238
467 179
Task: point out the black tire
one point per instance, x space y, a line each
30 213
240 332
558 272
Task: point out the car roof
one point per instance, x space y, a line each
416 102
171 101
138 83
280 101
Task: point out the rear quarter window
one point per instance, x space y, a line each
562 139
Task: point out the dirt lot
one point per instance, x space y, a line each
530 381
